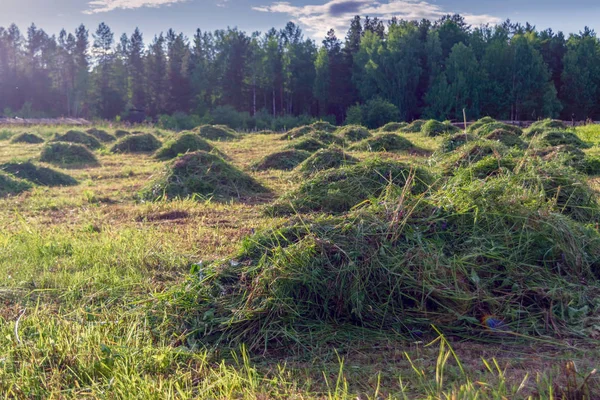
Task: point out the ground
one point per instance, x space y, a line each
81 266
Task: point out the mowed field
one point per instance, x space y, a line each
87 274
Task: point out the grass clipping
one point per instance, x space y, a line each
39 175
142 143
203 175
68 155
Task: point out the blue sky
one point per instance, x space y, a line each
315 16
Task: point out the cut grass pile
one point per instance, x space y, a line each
30 138
558 138
285 160
309 144
479 123
507 138
297 132
183 143
68 155
354 133
393 127
451 143
414 127
338 190
140 143
101 135
80 138
333 157
119 133
217 132
203 175
433 128
384 142
545 125
39 175
326 137
11 186
323 126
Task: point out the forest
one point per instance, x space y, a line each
379 72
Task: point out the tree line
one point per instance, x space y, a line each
407 68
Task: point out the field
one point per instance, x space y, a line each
98 280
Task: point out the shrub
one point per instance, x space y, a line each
216 132
10 186
101 135
141 143
434 128
354 115
324 159
354 133
229 116
204 175
282 160
384 142
179 121
79 137
68 155
38 175
307 144
393 127
184 143
339 190
378 112
29 138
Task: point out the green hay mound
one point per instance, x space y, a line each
68 155
284 160
470 249
326 137
80 138
471 153
451 143
203 175
414 127
10 186
433 128
393 127
29 138
354 133
265 132
297 132
384 142
487 129
557 138
217 132
142 143
119 133
101 135
184 143
309 144
39 175
545 125
323 126
479 123
324 159
507 138
339 190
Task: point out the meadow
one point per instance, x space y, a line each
412 262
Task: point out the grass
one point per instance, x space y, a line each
27 138
141 143
79 137
38 175
384 142
68 155
354 133
97 272
282 160
181 144
216 132
324 159
101 135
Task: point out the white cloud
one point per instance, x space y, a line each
100 6
337 14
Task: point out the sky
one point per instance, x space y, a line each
314 16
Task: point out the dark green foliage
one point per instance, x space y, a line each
283 160
10 186
141 143
330 158
487 129
393 127
307 144
507 138
39 175
341 189
101 135
557 138
434 128
202 175
384 142
80 138
354 133
451 143
216 132
183 143
68 155
414 127
545 125
30 138
119 133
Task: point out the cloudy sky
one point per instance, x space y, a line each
315 16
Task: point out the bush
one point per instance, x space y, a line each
184 143
68 155
141 143
80 138
29 138
10 186
216 132
378 112
339 190
354 115
39 175
202 175
354 133
101 135
393 127
433 128
229 116
309 144
179 121
324 159
283 160
384 142
545 125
